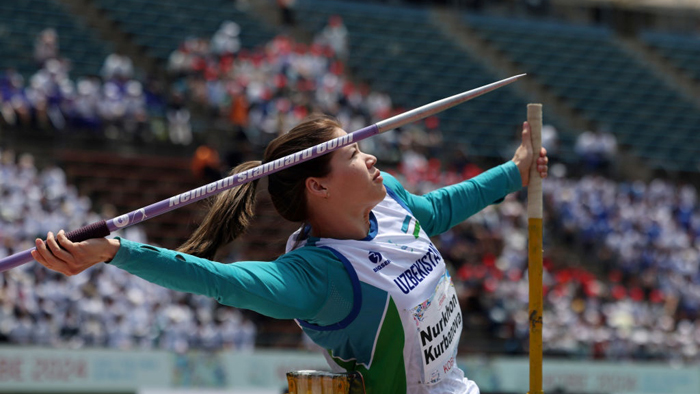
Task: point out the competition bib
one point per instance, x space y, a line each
439 324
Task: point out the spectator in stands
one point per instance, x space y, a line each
46 46
434 139
206 164
341 197
596 149
226 41
414 163
42 92
136 111
178 116
117 66
16 109
550 141
238 112
179 61
84 112
112 109
335 35
286 8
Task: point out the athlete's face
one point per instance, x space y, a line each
354 181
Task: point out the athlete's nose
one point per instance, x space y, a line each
371 161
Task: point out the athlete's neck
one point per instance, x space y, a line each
341 225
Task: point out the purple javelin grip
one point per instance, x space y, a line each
104 228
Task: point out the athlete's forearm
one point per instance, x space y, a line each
444 208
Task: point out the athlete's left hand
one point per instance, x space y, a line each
71 258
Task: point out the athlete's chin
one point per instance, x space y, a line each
381 193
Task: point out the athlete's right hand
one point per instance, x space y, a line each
523 157
71 258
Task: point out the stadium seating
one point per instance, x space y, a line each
160 26
682 51
397 50
22 20
586 68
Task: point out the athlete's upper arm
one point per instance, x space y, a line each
297 285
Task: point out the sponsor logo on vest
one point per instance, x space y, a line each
449 364
435 376
442 299
419 270
377 258
448 327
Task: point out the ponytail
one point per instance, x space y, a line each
227 218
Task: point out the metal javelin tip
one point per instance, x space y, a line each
441 105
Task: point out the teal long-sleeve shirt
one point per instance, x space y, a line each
299 284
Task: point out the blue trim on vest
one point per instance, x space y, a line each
356 299
393 195
373 227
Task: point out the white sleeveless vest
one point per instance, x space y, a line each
405 308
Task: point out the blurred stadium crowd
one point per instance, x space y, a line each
635 294
114 103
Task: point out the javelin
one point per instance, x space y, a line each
105 227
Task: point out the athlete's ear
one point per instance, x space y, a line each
315 187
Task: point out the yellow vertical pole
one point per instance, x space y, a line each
534 215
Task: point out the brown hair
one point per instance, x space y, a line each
232 210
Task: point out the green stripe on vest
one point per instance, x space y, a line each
387 374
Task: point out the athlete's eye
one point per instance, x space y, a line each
355 151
